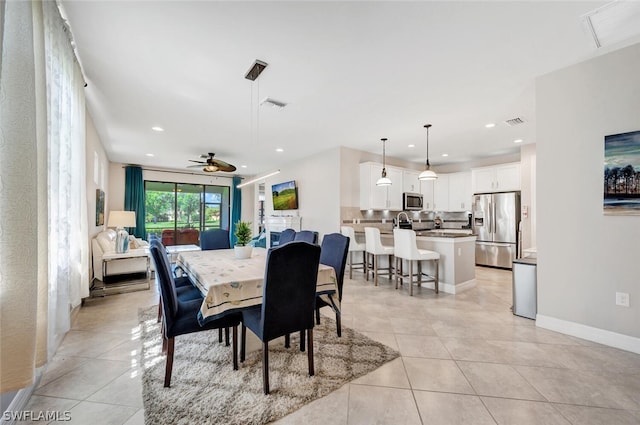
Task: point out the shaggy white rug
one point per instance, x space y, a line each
206 390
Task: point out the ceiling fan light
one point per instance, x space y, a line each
210 168
428 175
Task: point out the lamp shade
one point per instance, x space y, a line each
383 181
122 219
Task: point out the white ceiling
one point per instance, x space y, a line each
351 73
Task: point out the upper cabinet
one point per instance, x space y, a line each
374 197
460 194
410 182
427 190
497 178
441 193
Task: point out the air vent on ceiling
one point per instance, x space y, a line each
515 121
267 101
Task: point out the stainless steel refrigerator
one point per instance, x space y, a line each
496 217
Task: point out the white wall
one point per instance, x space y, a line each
528 194
318 181
97 175
584 257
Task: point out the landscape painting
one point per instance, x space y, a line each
99 207
622 174
285 196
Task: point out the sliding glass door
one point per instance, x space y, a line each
178 212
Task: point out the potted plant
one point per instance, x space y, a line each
243 236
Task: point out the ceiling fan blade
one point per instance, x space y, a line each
197 165
222 166
198 162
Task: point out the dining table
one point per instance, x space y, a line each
229 284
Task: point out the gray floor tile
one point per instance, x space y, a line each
370 405
451 409
521 412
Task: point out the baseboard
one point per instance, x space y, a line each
20 400
450 288
601 336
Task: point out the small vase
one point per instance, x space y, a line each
243 252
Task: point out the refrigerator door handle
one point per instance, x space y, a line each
490 218
493 219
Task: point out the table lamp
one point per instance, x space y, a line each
120 220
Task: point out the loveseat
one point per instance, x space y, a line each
134 261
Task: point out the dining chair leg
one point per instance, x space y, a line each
169 367
265 367
317 315
164 343
220 335
338 325
287 341
395 271
243 342
235 347
302 348
310 351
159 310
226 336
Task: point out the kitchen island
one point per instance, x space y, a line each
457 257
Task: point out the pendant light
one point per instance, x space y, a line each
383 180
428 174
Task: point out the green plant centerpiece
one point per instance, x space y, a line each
243 236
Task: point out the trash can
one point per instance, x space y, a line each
525 287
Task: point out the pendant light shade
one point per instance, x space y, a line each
383 180
428 173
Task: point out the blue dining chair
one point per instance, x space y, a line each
288 300
306 236
286 236
214 239
185 291
181 317
334 250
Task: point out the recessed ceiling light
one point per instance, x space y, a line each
517 141
156 128
148 154
445 154
490 125
243 166
411 146
279 150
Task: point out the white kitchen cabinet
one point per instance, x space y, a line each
460 194
374 197
410 182
497 178
441 193
427 190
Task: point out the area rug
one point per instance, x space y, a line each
206 390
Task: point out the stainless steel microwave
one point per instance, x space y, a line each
411 201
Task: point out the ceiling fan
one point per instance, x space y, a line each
211 164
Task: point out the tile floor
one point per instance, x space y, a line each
465 360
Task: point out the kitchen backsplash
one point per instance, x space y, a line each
384 219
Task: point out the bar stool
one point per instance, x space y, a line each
374 248
353 247
406 248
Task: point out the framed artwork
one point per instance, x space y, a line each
622 174
99 207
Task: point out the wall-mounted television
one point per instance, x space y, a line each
285 196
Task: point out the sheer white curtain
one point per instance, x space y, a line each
68 234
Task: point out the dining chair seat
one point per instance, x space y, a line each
373 250
406 249
354 248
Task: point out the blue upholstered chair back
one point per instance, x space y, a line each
289 293
214 239
286 236
335 248
306 236
165 279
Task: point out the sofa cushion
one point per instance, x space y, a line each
107 240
